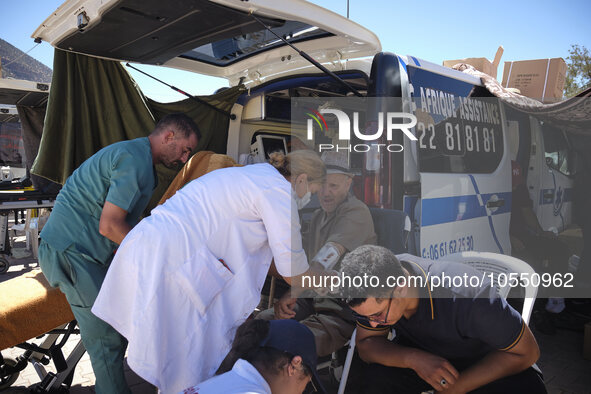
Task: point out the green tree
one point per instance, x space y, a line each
578 74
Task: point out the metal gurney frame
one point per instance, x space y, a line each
32 313
41 355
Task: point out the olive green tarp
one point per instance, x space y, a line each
94 103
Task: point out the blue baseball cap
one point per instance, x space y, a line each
296 339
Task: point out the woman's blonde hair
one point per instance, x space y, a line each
299 162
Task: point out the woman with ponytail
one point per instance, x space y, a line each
267 357
302 167
188 275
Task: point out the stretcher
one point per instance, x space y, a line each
30 308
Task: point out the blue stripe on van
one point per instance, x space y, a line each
416 61
452 209
481 201
494 234
566 195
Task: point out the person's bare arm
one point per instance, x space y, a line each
374 347
315 275
273 271
284 307
112 224
499 364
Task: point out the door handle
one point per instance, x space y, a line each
495 204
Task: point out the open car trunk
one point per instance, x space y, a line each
218 38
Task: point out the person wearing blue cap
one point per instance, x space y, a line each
188 275
267 357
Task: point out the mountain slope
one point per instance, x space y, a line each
25 67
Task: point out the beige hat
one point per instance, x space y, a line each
336 163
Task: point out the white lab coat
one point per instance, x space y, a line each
166 290
244 378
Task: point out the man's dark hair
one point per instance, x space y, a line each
181 123
369 260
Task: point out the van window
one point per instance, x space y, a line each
229 50
459 127
456 145
556 149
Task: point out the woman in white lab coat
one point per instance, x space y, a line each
267 357
187 276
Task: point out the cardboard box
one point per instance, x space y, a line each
541 79
480 63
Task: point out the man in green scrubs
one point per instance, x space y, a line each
98 205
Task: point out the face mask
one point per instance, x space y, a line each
301 202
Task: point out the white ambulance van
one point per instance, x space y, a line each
454 181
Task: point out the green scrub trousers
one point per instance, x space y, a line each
74 256
80 278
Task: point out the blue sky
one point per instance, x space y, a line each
431 30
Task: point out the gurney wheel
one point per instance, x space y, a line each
7 381
4 265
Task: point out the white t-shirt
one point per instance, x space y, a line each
168 293
244 378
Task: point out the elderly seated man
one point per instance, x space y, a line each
342 224
451 339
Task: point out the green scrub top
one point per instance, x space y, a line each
123 174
